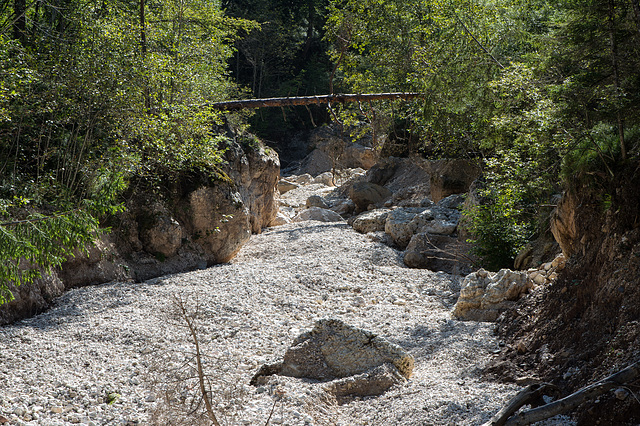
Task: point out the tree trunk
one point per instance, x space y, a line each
143 50
616 73
309 100
20 21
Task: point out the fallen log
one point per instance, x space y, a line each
564 405
310 100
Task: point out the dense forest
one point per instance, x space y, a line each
96 95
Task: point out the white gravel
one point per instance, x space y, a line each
124 339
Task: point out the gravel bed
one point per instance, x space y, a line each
103 355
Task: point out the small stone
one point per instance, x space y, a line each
546 266
57 410
539 279
19 411
359 302
400 302
621 394
559 260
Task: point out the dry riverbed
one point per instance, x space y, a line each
103 355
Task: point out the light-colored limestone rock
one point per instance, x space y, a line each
402 223
285 186
325 178
302 179
219 221
280 219
484 296
334 349
374 381
318 214
370 221
163 236
438 253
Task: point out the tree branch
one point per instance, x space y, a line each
564 405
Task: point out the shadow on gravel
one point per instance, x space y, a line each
72 307
457 337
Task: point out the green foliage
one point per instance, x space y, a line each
95 97
32 242
499 231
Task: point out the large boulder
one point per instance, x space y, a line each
219 222
317 201
319 214
355 361
437 253
364 194
332 148
161 233
371 221
316 163
98 264
485 295
255 172
402 223
412 180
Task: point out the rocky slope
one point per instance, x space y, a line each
585 325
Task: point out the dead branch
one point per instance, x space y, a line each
198 356
529 395
310 100
566 404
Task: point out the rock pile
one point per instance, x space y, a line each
547 272
485 295
392 202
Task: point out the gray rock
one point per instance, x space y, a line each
163 235
485 295
319 214
371 221
372 382
219 222
344 207
317 201
364 194
437 253
454 201
333 349
280 219
402 223
286 186
325 178
302 179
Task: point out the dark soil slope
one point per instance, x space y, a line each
586 325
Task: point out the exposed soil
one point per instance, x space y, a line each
586 325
